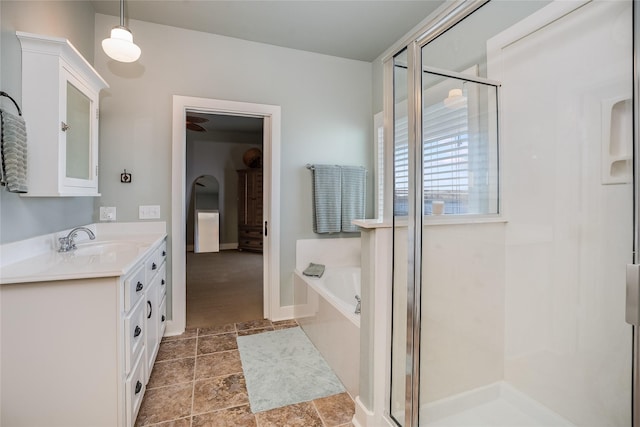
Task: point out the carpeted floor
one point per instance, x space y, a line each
223 287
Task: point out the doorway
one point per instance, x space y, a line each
270 115
224 187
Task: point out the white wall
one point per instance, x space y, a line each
21 218
326 116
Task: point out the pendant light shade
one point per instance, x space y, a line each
120 45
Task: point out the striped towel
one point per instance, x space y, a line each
13 152
327 197
353 191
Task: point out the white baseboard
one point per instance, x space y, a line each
363 416
283 313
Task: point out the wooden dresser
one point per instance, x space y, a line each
250 210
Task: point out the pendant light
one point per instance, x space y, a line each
120 45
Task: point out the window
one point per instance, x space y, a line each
459 148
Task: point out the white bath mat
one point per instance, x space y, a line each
282 368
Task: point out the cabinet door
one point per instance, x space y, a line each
152 323
78 134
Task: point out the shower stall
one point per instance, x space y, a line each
513 216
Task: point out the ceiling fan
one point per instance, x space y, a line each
192 123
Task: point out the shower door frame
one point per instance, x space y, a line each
447 19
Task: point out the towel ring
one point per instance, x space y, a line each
2 93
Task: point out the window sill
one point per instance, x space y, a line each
435 220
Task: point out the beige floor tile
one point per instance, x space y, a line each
214 343
177 349
254 324
172 372
215 330
254 331
165 404
182 422
188 333
218 364
335 410
298 415
233 417
219 393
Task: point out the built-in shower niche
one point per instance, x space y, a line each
617 141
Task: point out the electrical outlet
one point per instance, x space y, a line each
149 212
107 213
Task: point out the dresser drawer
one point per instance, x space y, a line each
250 232
134 333
134 391
134 288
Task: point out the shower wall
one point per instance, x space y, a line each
531 302
463 277
568 198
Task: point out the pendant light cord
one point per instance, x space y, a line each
122 13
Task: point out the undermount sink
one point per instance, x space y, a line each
103 247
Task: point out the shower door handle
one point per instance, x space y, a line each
632 305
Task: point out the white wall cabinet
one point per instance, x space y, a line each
80 352
60 97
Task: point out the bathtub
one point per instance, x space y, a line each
325 309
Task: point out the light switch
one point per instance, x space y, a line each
149 212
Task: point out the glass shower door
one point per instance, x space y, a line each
525 118
523 317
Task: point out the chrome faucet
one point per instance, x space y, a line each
67 243
358 305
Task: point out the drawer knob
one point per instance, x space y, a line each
163 318
150 309
164 253
154 266
138 387
137 331
162 282
139 287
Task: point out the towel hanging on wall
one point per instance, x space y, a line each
353 190
338 197
13 149
327 197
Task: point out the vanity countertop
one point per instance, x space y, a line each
113 253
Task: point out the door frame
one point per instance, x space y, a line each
271 115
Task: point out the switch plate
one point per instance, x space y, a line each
149 212
107 213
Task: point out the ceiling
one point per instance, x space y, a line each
357 29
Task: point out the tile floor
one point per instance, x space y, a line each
197 381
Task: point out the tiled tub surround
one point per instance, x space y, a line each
330 323
79 330
198 381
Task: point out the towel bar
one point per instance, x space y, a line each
2 93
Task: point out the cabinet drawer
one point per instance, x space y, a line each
163 317
134 288
134 391
162 274
162 252
152 265
134 333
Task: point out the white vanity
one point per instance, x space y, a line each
80 331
